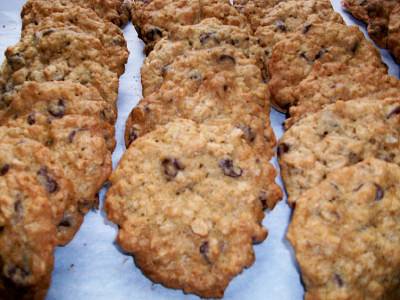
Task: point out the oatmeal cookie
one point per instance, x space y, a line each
116 11
346 233
205 86
187 200
28 235
293 59
154 19
328 83
210 33
340 135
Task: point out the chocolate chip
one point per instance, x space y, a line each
306 28
204 248
18 208
263 198
48 32
355 47
354 158
229 169
248 133
171 167
394 112
280 25
303 55
72 135
320 53
226 58
57 109
283 148
338 280
66 221
132 136
4 169
49 183
379 192
154 34
31 119
205 37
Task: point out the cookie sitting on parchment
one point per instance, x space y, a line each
346 233
339 135
188 200
27 236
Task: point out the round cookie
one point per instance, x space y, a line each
205 86
27 237
328 83
210 33
115 11
340 135
293 59
83 20
188 202
156 18
346 233
25 155
293 16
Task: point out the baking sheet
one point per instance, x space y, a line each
93 267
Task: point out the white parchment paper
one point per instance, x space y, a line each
92 267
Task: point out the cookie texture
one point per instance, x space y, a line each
206 86
209 33
154 19
345 232
116 11
328 83
293 59
188 200
28 235
340 135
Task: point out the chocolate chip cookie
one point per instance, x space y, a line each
154 19
345 232
340 135
27 237
188 200
116 11
210 33
293 59
328 83
205 86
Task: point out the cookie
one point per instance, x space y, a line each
345 232
27 238
186 198
27 155
156 18
394 33
328 83
205 86
255 10
292 17
340 135
84 20
209 33
293 59
116 11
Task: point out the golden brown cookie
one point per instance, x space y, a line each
188 202
346 233
340 135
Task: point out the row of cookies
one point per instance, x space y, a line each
189 192
59 87
383 20
338 156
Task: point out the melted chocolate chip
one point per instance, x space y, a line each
171 167
31 119
153 34
204 248
248 133
226 58
57 110
4 169
229 169
283 148
338 280
320 53
280 25
394 112
379 194
49 183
